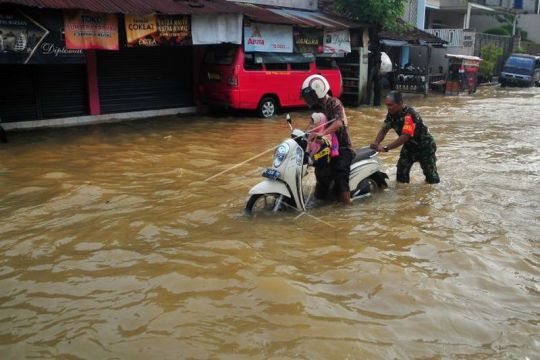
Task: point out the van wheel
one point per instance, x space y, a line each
267 107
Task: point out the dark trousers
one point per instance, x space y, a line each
338 171
3 137
425 155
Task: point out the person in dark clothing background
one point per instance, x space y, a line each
3 136
418 144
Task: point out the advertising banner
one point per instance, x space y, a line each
156 30
308 41
268 38
35 37
337 42
89 30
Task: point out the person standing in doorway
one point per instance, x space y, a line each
418 144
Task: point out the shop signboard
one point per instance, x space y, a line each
268 38
337 42
308 40
157 30
35 37
89 30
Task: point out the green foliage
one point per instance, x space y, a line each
505 18
506 30
498 31
508 24
381 12
490 55
524 34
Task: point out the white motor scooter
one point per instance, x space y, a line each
283 186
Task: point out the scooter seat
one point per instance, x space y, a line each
363 154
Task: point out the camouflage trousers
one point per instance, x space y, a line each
425 155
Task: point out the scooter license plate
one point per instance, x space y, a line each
271 174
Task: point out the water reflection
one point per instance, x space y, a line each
113 245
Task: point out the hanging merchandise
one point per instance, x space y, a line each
34 37
337 42
308 40
156 30
268 38
89 30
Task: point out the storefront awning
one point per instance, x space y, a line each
397 43
315 19
136 7
413 36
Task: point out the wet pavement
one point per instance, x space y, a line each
113 245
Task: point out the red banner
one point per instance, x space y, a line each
88 30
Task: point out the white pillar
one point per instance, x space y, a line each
467 20
363 96
421 14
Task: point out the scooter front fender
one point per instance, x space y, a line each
270 187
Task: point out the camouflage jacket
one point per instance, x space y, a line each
409 122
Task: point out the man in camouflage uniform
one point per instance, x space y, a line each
418 144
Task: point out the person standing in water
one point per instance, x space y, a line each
315 93
417 143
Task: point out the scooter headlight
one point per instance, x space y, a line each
299 156
280 154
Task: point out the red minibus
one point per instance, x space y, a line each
260 81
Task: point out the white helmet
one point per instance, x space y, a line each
315 87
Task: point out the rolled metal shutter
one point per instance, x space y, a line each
144 79
35 92
17 93
63 91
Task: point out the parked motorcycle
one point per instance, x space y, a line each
283 186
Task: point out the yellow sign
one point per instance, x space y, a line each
139 28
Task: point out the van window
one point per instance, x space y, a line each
300 66
325 63
519 62
220 55
249 62
276 66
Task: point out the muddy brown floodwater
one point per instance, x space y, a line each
113 245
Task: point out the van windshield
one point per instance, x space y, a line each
519 65
220 55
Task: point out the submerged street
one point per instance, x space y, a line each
112 242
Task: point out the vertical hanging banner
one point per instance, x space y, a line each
337 42
156 30
308 41
88 30
268 38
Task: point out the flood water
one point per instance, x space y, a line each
113 245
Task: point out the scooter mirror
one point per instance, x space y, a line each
289 120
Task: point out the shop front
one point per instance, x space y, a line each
40 78
62 65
